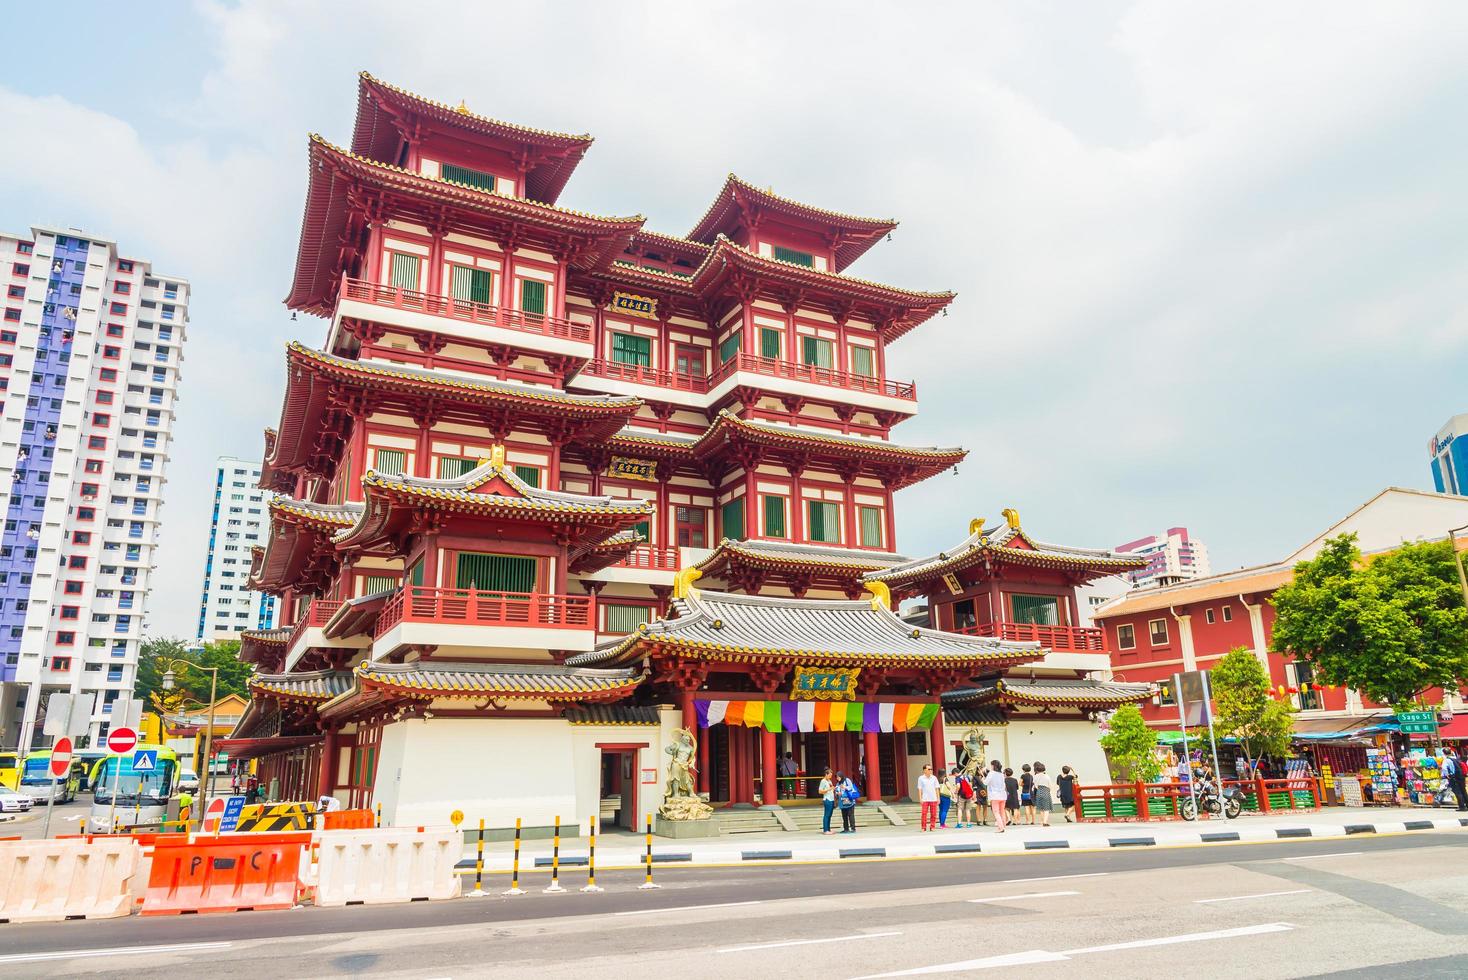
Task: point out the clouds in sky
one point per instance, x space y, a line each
1210 258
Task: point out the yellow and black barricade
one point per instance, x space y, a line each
276 817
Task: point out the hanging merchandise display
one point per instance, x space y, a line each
1423 775
1383 775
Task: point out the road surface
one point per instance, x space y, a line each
1390 906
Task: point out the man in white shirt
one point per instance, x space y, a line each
928 797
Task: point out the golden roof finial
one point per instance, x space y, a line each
975 526
462 109
683 582
497 456
1012 516
881 594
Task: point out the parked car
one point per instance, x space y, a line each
188 780
13 802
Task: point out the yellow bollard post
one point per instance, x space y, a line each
515 888
379 815
479 863
590 885
84 826
555 885
647 884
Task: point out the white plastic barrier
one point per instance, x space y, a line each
52 880
387 865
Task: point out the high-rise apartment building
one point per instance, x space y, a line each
90 349
1173 557
1450 456
228 605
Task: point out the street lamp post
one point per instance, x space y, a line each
1457 561
206 781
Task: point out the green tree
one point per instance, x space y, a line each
191 686
1129 743
1390 628
1244 708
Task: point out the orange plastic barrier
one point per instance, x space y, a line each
348 820
228 873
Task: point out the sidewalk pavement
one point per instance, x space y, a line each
623 849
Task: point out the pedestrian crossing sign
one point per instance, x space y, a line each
145 760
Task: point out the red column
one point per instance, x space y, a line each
326 777
935 736
848 533
769 793
874 778
703 763
690 713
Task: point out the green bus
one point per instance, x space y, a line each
124 797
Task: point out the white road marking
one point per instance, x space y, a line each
77 954
687 908
1240 898
1187 937
1332 854
1045 956
808 942
1021 881
1011 898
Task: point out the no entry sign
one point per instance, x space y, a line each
60 757
121 740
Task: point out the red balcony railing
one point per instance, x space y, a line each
476 607
774 367
650 556
638 374
1065 639
458 309
318 613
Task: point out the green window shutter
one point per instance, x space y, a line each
871 526
626 619
405 270
464 175
815 351
495 573
795 256
532 296
1042 609
373 584
730 346
731 516
415 574
453 467
390 462
643 528
769 342
529 474
774 516
469 285
630 349
824 522
863 362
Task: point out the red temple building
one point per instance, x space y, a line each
528 432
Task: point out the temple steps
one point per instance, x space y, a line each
746 821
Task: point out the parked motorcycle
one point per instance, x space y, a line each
1230 803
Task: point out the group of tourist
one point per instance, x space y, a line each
1026 799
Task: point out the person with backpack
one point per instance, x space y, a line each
963 798
1456 777
848 795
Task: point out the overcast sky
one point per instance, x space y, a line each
1210 260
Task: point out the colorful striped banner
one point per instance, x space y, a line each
817 716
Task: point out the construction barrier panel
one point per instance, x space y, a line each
76 878
387 865
348 820
272 818
227 873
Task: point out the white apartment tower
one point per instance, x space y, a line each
228 605
90 348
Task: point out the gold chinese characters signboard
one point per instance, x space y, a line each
825 683
627 468
643 306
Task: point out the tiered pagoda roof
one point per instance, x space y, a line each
265 648
745 629
593 557
740 204
1002 544
386 113
752 564
1050 694
313 688
340 181
492 491
299 549
319 385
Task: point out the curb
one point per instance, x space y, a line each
725 855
